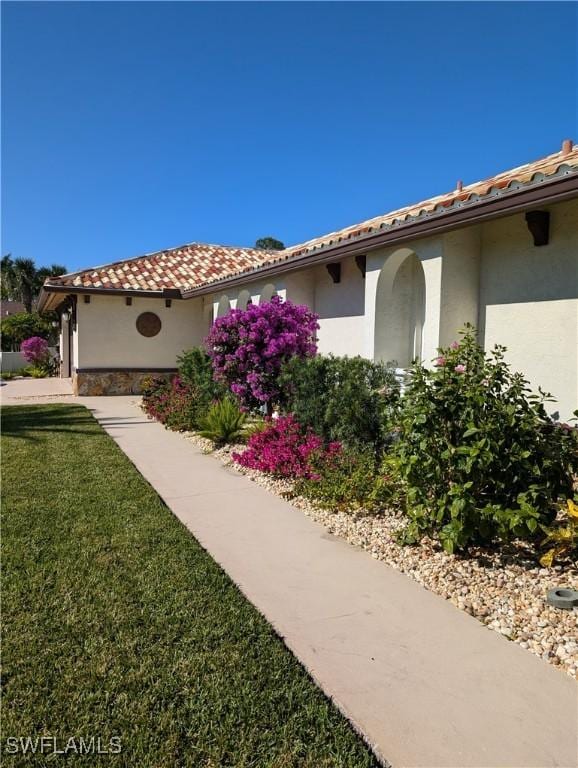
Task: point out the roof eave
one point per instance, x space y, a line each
46 302
547 192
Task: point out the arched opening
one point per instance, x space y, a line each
243 300
400 309
267 293
223 306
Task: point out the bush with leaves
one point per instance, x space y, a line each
350 481
196 374
481 458
349 399
169 401
224 422
22 325
249 347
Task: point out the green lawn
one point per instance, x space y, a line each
117 623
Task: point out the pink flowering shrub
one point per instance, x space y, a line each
482 460
249 347
284 449
35 350
172 402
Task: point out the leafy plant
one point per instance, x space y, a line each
284 449
196 375
7 375
481 458
249 347
351 481
38 371
22 325
349 399
563 537
224 422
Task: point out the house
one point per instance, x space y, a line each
501 254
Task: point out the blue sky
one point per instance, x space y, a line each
131 127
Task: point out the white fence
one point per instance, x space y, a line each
14 361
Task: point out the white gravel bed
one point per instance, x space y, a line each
505 591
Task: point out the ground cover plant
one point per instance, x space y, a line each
482 460
353 481
249 347
117 623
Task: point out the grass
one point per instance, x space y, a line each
117 623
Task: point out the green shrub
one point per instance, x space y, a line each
196 374
22 325
224 422
352 481
345 399
8 375
481 458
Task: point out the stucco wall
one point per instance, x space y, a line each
529 300
340 307
108 338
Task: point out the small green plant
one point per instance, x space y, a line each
7 375
224 422
481 458
351 481
38 371
562 537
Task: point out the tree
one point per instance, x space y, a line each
249 347
269 244
20 326
22 281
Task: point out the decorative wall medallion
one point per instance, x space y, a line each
148 324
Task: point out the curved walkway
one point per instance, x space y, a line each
426 684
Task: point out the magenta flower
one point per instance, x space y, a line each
35 349
454 345
284 449
460 369
248 347
440 361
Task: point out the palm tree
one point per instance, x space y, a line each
6 276
54 270
22 281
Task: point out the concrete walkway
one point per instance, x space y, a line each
425 683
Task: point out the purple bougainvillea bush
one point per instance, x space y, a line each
285 449
249 347
35 350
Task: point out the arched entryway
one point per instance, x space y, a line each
223 306
243 300
400 309
267 293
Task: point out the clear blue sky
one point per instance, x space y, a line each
131 127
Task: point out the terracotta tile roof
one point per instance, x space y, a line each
197 264
185 267
530 173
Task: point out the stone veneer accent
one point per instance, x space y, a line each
93 383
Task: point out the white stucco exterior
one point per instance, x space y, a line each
413 299
106 335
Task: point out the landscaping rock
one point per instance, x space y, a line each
504 590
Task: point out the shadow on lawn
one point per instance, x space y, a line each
24 421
